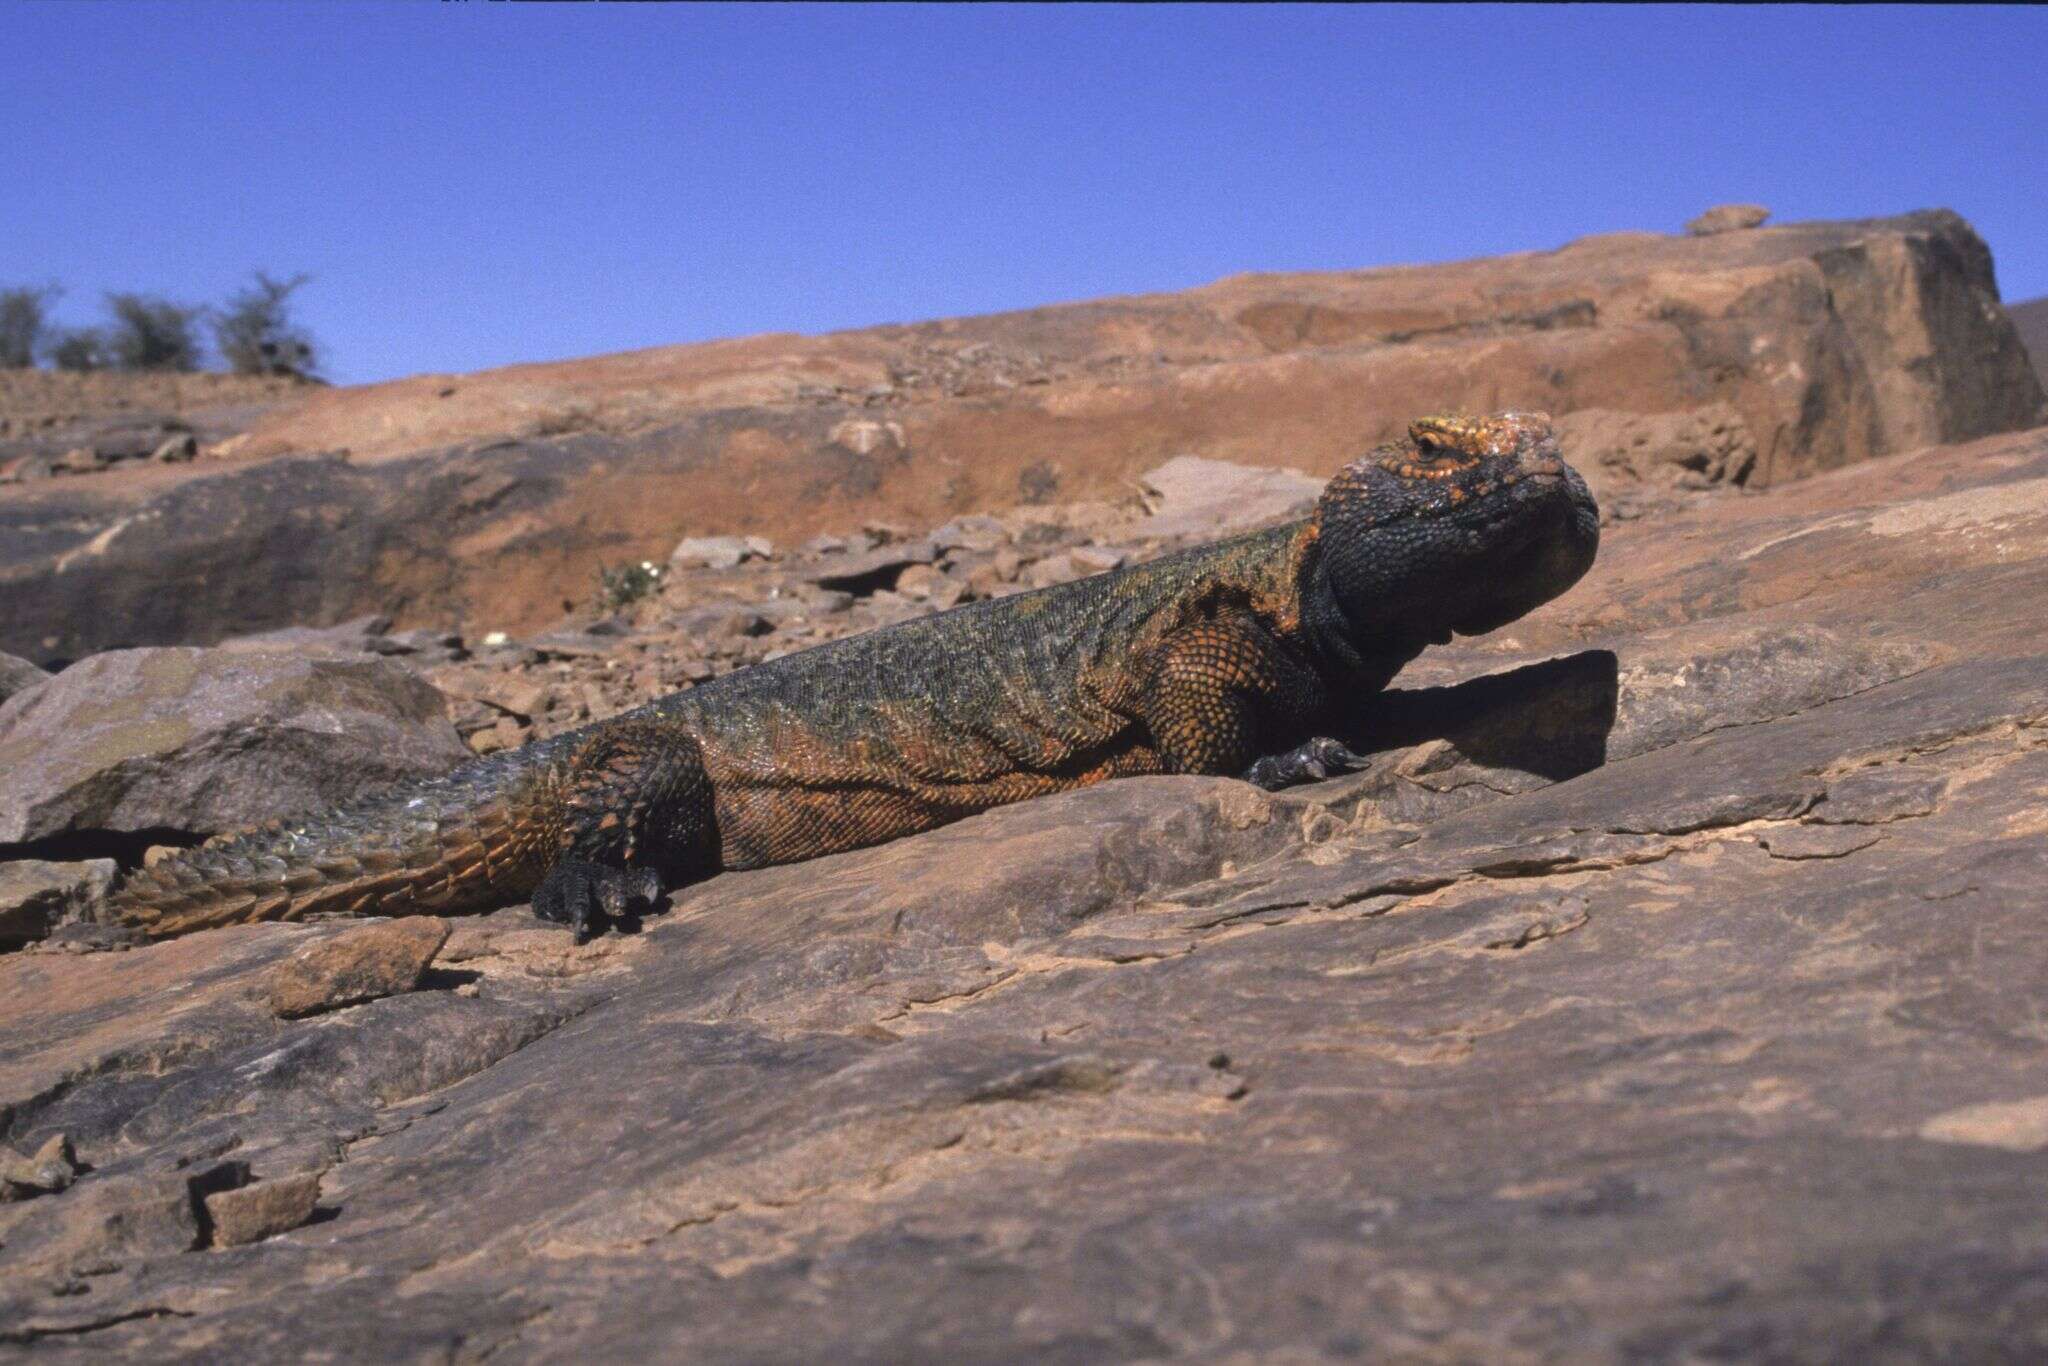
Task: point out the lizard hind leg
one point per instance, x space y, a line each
588 896
633 811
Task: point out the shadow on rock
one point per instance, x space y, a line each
1550 719
1442 749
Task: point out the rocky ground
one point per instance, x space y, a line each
1671 989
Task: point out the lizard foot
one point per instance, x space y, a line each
1309 762
589 896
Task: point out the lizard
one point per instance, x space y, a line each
1236 658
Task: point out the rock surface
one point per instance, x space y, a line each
36 895
1666 991
366 963
200 741
18 675
482 502
2031 320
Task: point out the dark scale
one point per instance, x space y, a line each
1232 659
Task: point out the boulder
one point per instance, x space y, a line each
18 675
1728 218
202 741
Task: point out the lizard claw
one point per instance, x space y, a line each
1309 762
588 897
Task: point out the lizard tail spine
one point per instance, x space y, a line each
471 841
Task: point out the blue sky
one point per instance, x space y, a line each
473 184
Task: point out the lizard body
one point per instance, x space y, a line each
1232 658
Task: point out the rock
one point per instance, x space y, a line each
1835 343
17 675
422 645
1053 569
79 460
176 449
1695 449
1728 218
364 964
1191 496
971 533
1095 559
52 1168
94 1227
249 1214
36 895
867 571
709 552
920 582
210 740
723 623
364 635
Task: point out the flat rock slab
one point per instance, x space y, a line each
202 741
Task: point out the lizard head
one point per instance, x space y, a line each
1465 525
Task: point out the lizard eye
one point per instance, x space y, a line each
1428 447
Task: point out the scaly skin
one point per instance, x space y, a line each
1229 659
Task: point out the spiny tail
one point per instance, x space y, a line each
479 838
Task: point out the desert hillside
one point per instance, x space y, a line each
489 501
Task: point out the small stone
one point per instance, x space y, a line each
919 582
1053 569
176 449
971 533
1096 559
709 552
362 964
79 460
53 1168
1728 218
760 547
249 1214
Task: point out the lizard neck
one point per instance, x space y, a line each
1343 647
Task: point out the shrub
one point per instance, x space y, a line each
78 348
152 333
621 587
24 316
255 333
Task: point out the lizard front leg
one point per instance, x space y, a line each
1222 689
633 810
